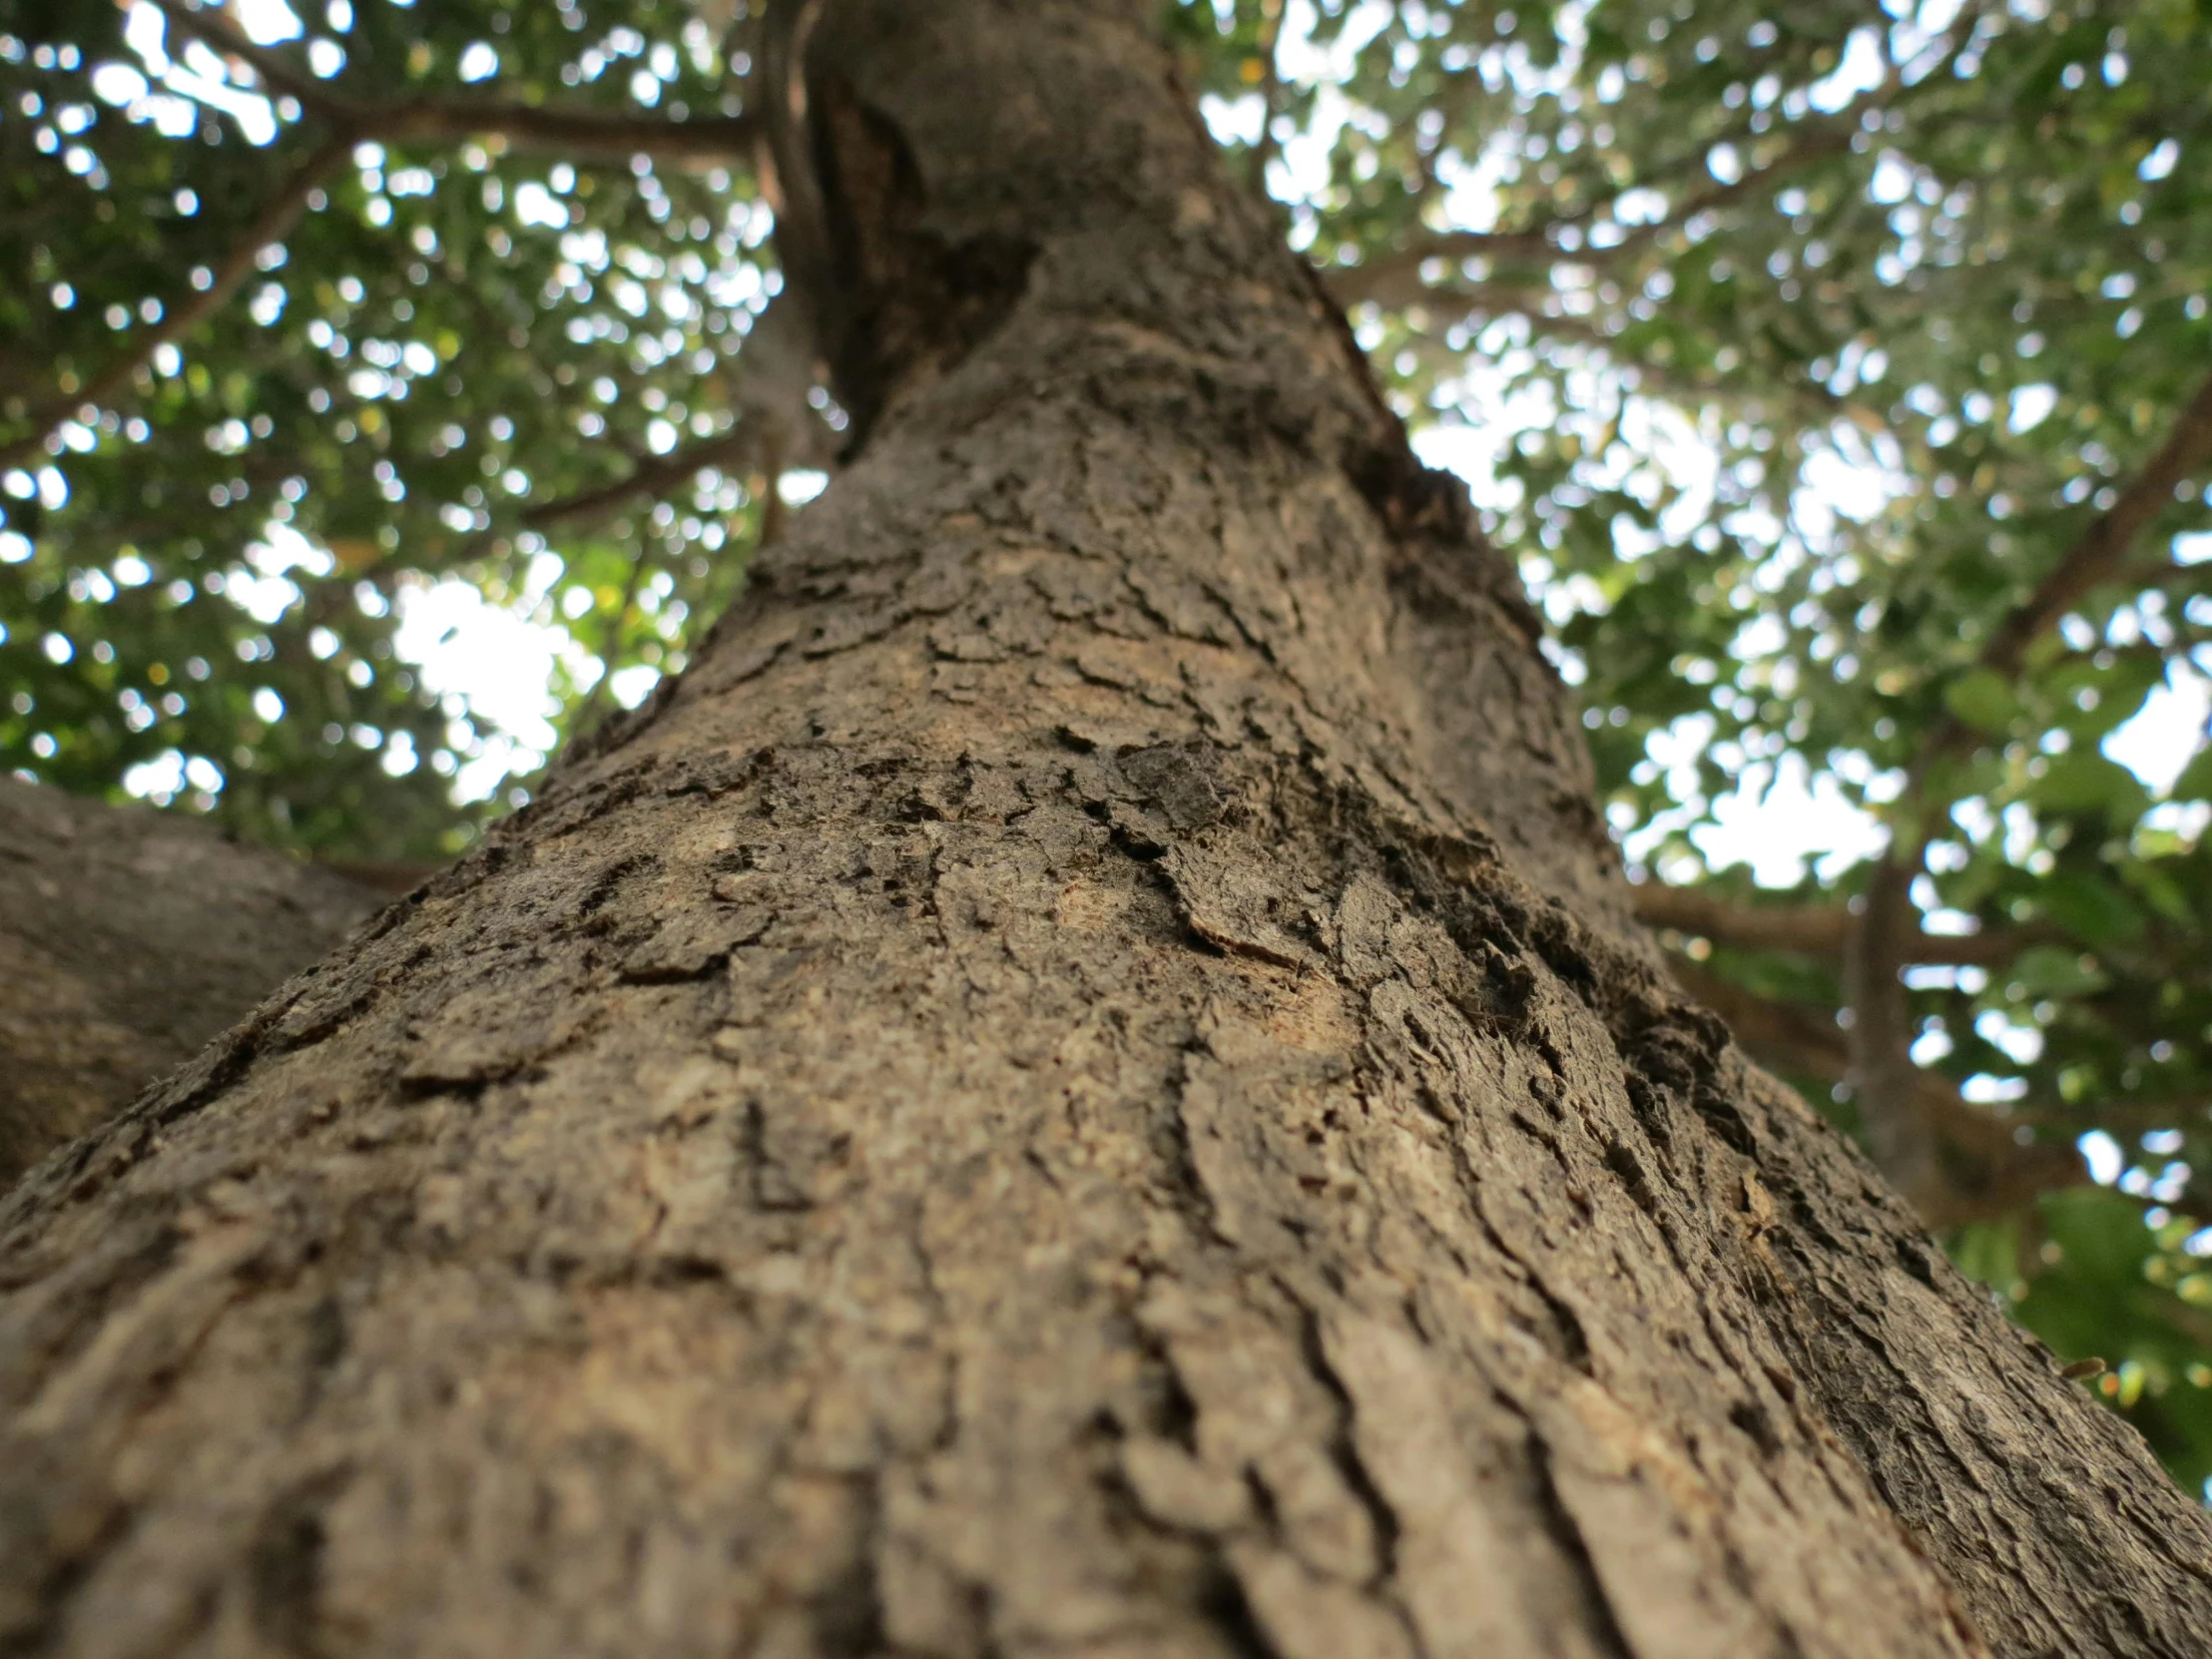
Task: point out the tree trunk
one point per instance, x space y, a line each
128 940
1083 1087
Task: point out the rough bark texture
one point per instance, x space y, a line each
1083 1087
128 940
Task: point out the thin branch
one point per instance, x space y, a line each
572 130
2131 1117
613 643
774 514
786 161
1393 279
563 130
567 129
2102 551
1885 1079
2098 556
210 30
1460 90
1817 930
1510 298
1271 96
178 319
649 479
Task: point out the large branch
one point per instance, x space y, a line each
1881 1034
566 129
1817 930
188 313
130 937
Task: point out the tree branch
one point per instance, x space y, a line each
1882 1029
560 129
1886 1081
1817 930
569 130
211 31
178 319
1271 97
2102 551
1393 279
649 479
115 975
566 129
613 643
1385 279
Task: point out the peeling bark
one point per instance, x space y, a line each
128 940
1084 1085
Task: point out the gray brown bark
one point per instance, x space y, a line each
1084 1086
128 940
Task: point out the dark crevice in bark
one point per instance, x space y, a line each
285 1570
899 304
32 1628
1344 1451
1222 1600
1603 1621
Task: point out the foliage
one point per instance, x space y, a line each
451 340
1838 377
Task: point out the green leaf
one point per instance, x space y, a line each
2047 970
2195 781
2085 782
2092 910
1985 699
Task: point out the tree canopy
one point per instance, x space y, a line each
1841 379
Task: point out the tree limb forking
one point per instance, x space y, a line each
570 130
1881 1034
573 131
177 320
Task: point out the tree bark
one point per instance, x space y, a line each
1084 1085
128 940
